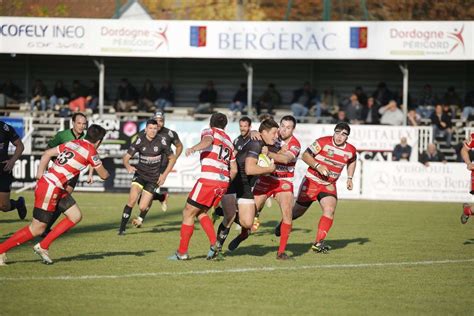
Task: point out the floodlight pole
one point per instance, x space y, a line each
100 66
248 67
404 70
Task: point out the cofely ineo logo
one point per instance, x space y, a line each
358 37
198 36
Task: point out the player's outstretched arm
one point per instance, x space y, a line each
179 149
102 172
127 165
284 158
19 147
45 158
205 142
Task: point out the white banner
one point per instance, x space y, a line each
404 181
449 40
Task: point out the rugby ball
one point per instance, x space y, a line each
263 161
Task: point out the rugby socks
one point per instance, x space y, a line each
127 211
285 234
222 233
186 233
324 226
143 213
62 227
206 224
467 210
13 205
18 238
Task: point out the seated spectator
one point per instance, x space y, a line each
301 102
361 96
442 124
402 151
427 96
148 97
270 98
399 99
239 102
382 95
92 99
40 94
370 112
127 96
340 117
329 102
413 118
207 99
452 99
78 97
468 110
165 96
11 91
431 155
60 95
391 114
353 109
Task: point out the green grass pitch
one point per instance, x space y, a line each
387 258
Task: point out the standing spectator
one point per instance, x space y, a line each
270 98
207 99
468 109
78 97
432 155
413 118
11 91
361 96
60 95
39 93
239 102
442 124
127 96
391 114
148 97
301 102
382 95
402 151
329 102
165 96
370 112
353 109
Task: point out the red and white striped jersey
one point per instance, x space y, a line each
470 142
326 153
215 160
287 171
73 157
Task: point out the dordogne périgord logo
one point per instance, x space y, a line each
458 38
198 36
358 37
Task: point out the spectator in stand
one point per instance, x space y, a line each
399 99
468 110
413 118
11 91
432 155
127 96
78 97
340 117
148 97
239 102
452 99
301 102
353 109
361 96
391 114
165 96
60 95
370 112
442 124
329 102
40 94
382 95
426 102
402 151
269 99
92 99
207 99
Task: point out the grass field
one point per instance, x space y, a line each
387 258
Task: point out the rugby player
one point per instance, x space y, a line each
468 146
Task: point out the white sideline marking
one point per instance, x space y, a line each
237 270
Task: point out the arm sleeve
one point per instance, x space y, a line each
12 135
175 138
255 148
314 148
207 132
132 150
94 159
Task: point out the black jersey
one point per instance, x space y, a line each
150 156
250 148
7 136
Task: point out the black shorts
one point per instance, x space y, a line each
149 186
73 182
6 179
241 188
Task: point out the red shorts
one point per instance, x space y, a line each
472 182
270 186
207 192
47 195
311 191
